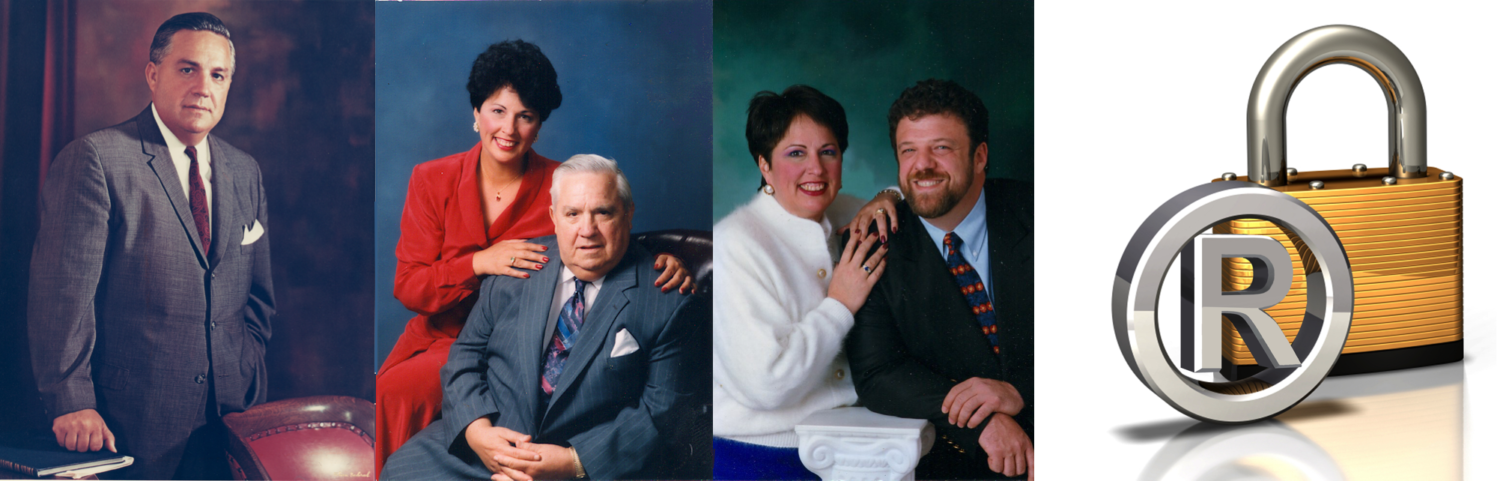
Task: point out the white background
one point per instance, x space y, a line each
1136 102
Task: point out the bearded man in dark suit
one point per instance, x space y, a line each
150 296
946 334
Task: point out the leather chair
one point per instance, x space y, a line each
692 447
318 437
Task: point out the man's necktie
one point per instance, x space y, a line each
569 321
972 288
198 198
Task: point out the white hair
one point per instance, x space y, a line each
595 164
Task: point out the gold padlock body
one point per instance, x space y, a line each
1405 247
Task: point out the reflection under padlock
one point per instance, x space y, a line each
1395 425
1401 225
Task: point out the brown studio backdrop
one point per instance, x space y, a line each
301 102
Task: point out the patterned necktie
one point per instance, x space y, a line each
973 289
198 198
568 323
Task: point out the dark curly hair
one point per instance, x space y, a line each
771 114
934 96
520 65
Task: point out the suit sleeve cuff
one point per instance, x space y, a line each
71 400
459 423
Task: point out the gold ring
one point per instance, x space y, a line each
512 261
880 211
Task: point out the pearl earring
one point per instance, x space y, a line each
476 125
768 190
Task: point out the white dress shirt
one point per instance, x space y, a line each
564 291
181 162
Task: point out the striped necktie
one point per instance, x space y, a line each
198 199
569 321
972 288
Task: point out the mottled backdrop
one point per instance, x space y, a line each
863 54
636 87
302 103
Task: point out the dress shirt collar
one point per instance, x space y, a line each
976 236
180 162
565 289
174 144
972 230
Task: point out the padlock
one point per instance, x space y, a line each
1401 226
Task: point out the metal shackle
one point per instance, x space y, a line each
1314 49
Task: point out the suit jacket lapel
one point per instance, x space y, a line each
1007 230
534 304
941 304
225 202
597 325
470 201
155 148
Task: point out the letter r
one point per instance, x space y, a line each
1204 300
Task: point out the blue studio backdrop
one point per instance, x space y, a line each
637 88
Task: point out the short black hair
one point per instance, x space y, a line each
197 22
771 114
935 96
520 65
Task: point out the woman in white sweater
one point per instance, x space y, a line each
784 300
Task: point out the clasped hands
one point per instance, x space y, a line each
513 457
1008 448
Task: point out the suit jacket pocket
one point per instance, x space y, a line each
112 377
625 375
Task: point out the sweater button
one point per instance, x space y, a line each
822 273
200 379
838 374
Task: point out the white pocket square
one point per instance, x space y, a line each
624 344
253 233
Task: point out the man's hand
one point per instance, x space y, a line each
556 463
971 402
83 431
494 444
1008 447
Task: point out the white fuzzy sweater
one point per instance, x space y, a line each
778 338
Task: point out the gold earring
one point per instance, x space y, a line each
476 125
768 190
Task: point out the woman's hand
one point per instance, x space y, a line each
857 271
881 210
508 258
674 274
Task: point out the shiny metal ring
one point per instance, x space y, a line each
880 210
512 261
1138 283
865 267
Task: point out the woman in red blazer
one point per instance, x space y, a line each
467 215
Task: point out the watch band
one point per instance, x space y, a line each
578 472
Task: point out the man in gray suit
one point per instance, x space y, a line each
584 369
150 296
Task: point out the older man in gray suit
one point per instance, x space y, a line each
150 297
583 370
